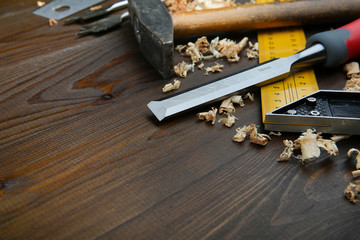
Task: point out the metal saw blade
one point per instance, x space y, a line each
59 9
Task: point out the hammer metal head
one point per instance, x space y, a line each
154 32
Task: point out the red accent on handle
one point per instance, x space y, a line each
353 42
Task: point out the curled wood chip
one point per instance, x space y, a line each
258 138
215 68
352 192
227 106
238 99
251 96
202 44
182 69
213 46
255 137
356 173
229 120
201 65
180 48
241 133
352 84
40 3
194 53
52 22
253 51
352 70
208 116
354 150
230 49
169 87
288 151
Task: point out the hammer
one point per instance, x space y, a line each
155 27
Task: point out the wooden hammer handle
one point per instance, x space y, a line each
260 16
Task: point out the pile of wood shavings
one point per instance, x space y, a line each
227 107
202 49
192 5
310 143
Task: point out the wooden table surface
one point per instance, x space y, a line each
82 157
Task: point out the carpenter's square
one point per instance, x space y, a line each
330 48
328 111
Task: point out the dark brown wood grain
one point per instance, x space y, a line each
82 157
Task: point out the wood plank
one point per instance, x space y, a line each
81 156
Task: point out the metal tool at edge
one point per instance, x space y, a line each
330 48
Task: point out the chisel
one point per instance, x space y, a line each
330 48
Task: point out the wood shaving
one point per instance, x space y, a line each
258 138
208 116
352 192
40 3
200 66
356 173
311 144
193 52
253 51
52 22
202 49
227 106
213 45
203 45
215 68
255 137
230 49
275 134
352 85
251 96
337 138
192 5
169 87
229 121
238 99
180 48
352 70
241 133
354 150
182 69
288 151
94 8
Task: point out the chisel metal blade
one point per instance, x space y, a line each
260 75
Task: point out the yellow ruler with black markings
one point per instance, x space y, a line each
278 43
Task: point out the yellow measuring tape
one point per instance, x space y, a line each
282 43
